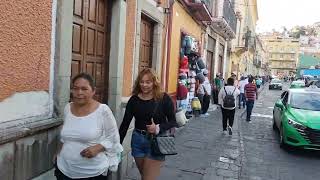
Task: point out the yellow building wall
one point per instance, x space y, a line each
254 12
283 54
181 21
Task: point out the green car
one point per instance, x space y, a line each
297 117
297 84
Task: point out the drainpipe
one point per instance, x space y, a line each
170 3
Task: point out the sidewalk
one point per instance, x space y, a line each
204 153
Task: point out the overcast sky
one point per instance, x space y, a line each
273 14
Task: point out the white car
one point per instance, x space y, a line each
275 84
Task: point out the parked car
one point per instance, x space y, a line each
297 117
275 84
297 84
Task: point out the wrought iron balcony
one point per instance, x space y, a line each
200 9
224 18
257 62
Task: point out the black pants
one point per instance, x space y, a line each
227 117
205 104
60 176
215 94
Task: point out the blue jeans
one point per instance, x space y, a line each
250 104
242 100
141 147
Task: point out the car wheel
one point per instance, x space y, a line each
283 145
274 125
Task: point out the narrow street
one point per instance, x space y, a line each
252 153
263 158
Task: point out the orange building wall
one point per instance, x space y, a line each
181 21
25 42
129 48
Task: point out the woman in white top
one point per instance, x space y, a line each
89 136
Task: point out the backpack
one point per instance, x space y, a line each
229 101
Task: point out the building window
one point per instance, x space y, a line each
281 56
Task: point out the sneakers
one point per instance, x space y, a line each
205 115
224 132
229 130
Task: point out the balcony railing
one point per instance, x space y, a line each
257 62
229 15
201 9
224 18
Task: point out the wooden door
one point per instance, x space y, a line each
146 43
210 56
210 64
90 37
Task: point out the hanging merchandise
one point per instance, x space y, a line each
188 44
184 82
193 74
183 76
198 70
184 63
200 77
189 65
194 46
182 52
200 63
186 71
192 63
196 106
184 42
193 87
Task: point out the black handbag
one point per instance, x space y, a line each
162 144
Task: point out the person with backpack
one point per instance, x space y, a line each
227 99
251 94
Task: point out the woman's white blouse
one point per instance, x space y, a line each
79 133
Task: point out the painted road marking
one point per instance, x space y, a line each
261 115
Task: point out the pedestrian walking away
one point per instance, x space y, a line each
217 86
251 94
204 94
154 114
227 100
90 143
242 98
258 82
